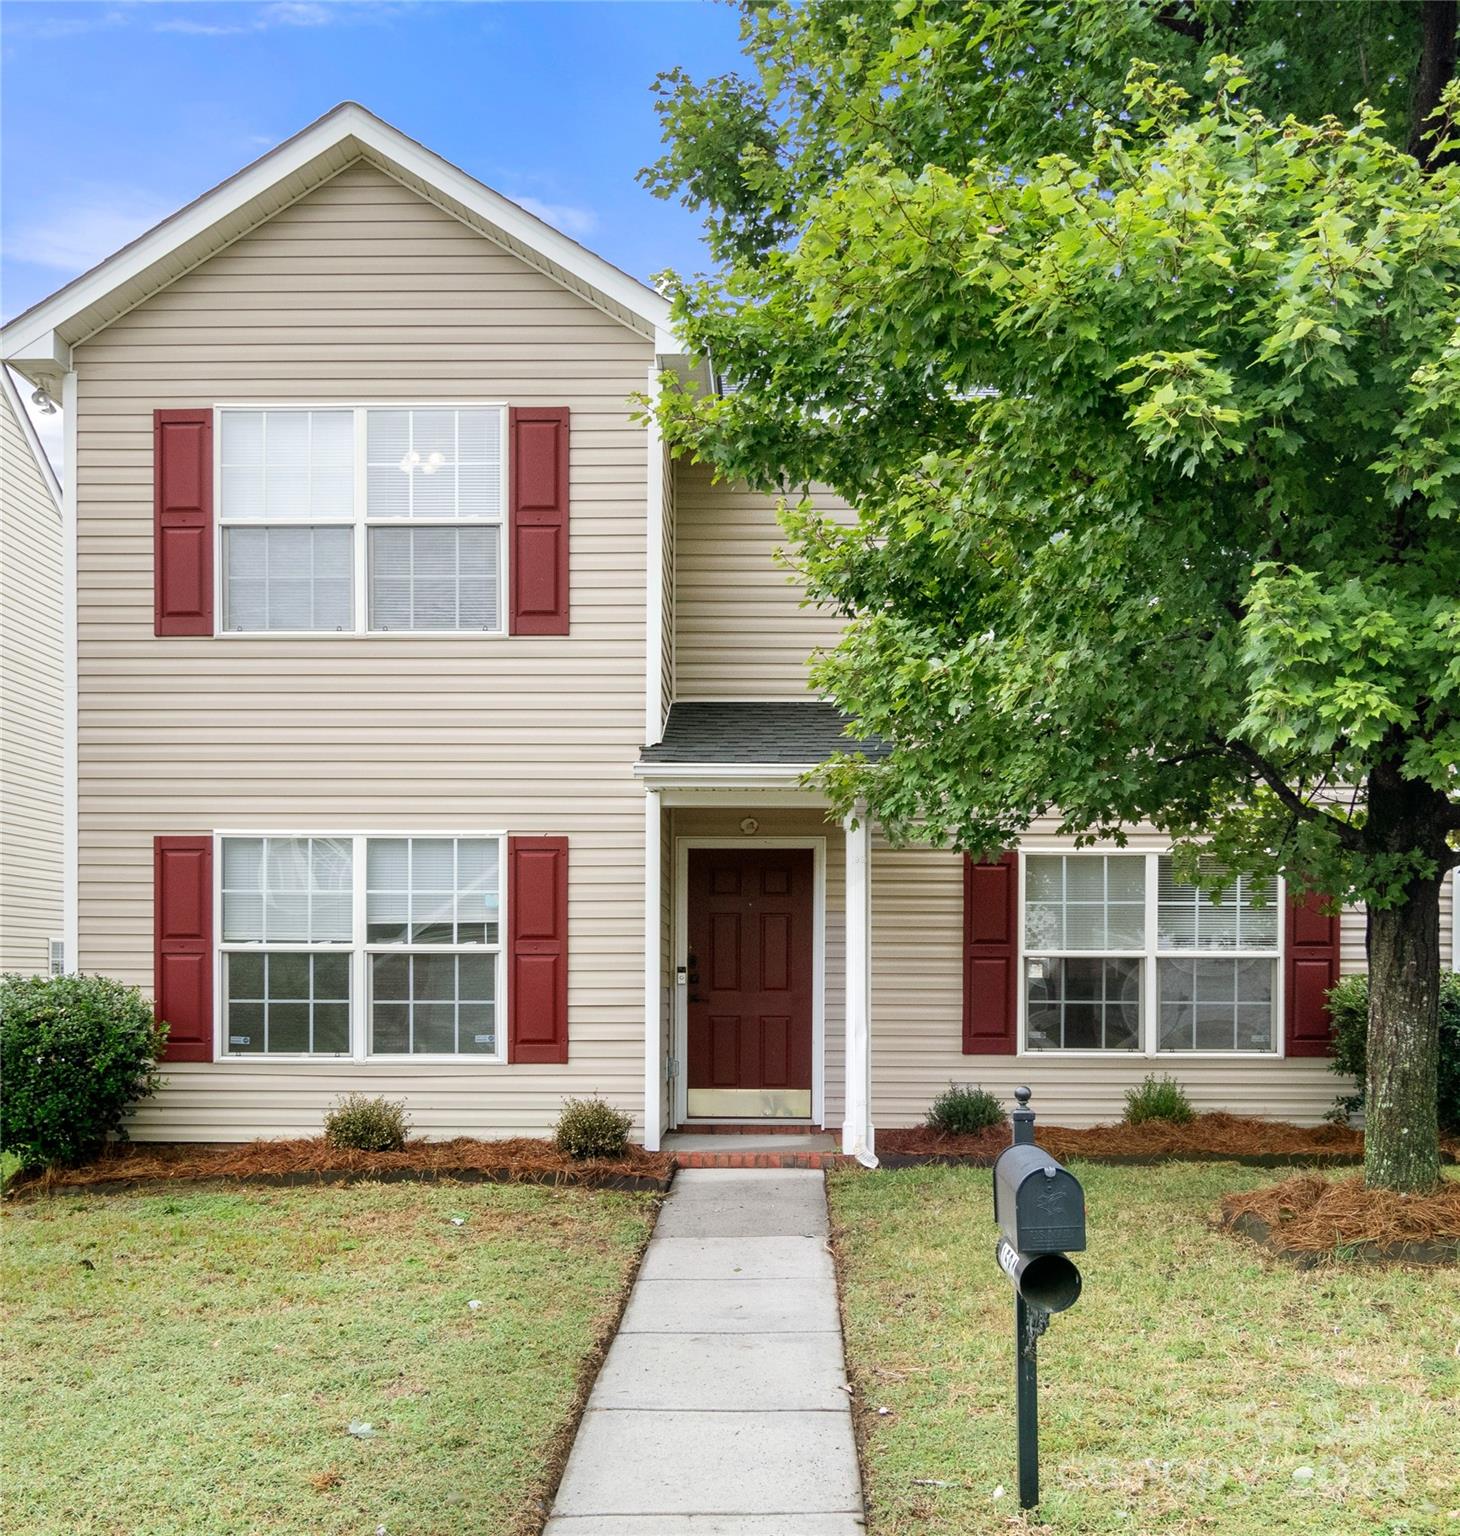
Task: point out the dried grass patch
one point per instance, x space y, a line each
1213 1135
519 1158
1312 1215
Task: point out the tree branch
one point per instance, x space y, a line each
1347 834
1175 18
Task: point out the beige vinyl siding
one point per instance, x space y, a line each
362 291
741 630
32 699
917 1018
667 633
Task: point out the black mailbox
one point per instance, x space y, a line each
1039 1205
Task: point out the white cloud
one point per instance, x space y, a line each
279 13
73 234
572 220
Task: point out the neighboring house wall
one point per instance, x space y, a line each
32 698
362 291
917 1012
742 630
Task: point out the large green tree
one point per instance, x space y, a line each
1155 446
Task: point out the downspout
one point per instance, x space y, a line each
70 766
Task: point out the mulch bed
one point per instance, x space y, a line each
1205 1138
522 1160
1310 1219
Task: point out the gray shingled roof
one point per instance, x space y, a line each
788 734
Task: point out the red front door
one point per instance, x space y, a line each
750 980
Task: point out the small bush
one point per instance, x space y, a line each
965 1109
1349 1004
1157 1098
76 1053
367 1125
591 1128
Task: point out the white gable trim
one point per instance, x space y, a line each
32 342
27 428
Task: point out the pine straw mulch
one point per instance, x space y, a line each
313 1160
1309 1218
1234 1138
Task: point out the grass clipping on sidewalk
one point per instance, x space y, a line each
1311 1214
523 1157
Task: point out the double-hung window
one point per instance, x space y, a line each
361 946
1121 956
367 519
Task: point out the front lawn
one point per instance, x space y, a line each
192 1363
1196 1387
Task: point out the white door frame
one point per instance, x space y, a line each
817 845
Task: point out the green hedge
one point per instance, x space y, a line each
1349 1003
76 1053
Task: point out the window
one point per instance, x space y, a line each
350 520
1121 956
361 946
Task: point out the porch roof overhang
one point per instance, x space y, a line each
752 744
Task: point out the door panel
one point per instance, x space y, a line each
751 974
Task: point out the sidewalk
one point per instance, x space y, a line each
721 1408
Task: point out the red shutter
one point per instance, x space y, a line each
990 957
182 904
538 527
1310 968
182 537
537 949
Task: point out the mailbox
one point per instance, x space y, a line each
1039 1205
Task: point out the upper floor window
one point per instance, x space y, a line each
1119 955
365 519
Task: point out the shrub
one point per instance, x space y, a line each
367 1125
964 1109
76 1053
1349 1005
591 1128
1157 1098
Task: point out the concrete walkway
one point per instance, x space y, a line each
721 1409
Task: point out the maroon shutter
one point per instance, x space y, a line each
537 949
1310 968
538 526
182 538
990 957
182 904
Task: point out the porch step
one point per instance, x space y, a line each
692 1149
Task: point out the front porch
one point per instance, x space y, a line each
758 990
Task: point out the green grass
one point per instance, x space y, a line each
190 1364
1191 1381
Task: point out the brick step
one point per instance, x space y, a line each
777 1159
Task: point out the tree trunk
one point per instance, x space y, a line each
1401 1132
1438 25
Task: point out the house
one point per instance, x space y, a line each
32 696
437 736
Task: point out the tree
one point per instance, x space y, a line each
1157 460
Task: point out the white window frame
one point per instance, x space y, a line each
1149 1032
360 952
360 523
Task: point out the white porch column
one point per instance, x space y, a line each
857 1133
653 980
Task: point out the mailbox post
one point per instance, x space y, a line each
1040 1208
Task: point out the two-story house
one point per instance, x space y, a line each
32 696
435 735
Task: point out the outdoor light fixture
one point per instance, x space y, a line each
42 399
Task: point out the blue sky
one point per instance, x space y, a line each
115 114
